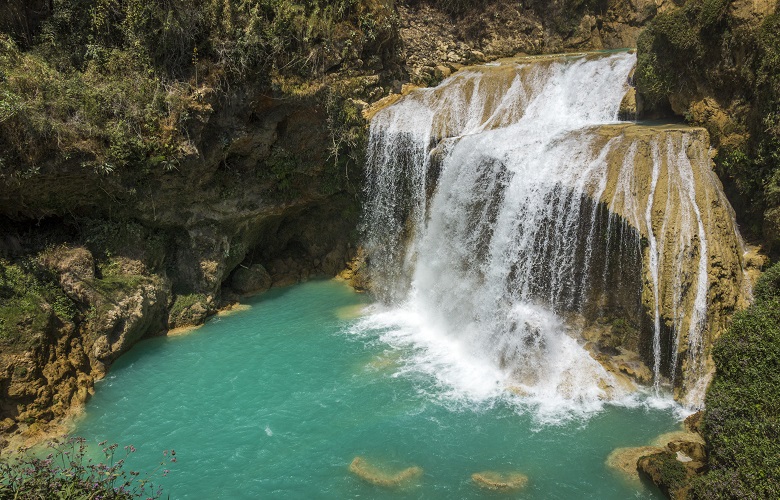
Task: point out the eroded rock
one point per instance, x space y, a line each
251 279
379 477
498 481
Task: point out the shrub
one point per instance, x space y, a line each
29 298
672 472
742 419
768 286
67 472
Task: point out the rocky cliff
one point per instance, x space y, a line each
716 64
151 171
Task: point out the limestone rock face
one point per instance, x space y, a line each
628 106
662 261
76 267
661 182
356 272
122 302
130 318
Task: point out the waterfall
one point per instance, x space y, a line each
508 206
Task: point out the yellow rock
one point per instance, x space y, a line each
370 473
625 459
498 481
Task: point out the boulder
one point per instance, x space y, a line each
251 279
668 473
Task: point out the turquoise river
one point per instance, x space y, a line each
277 399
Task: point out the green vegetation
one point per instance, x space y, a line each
189 309
703 50
112 114
113 85
672 473
742 420
676 44
283 167
29 299
68 473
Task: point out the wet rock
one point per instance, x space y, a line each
356 272
628 106
693 422
7 425
190 310
442 72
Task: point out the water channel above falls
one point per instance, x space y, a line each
275 401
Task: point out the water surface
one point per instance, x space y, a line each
275 402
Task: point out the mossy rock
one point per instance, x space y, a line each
189 310
31 304
665 471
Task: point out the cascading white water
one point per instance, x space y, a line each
495 209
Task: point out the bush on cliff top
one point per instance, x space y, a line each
113 84
111 114
742 419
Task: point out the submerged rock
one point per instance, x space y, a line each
492 480
372 474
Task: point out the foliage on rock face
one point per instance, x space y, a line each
705 50
742 419
189 310
29 299
68 472
669 471
561 12
112 84
674 46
